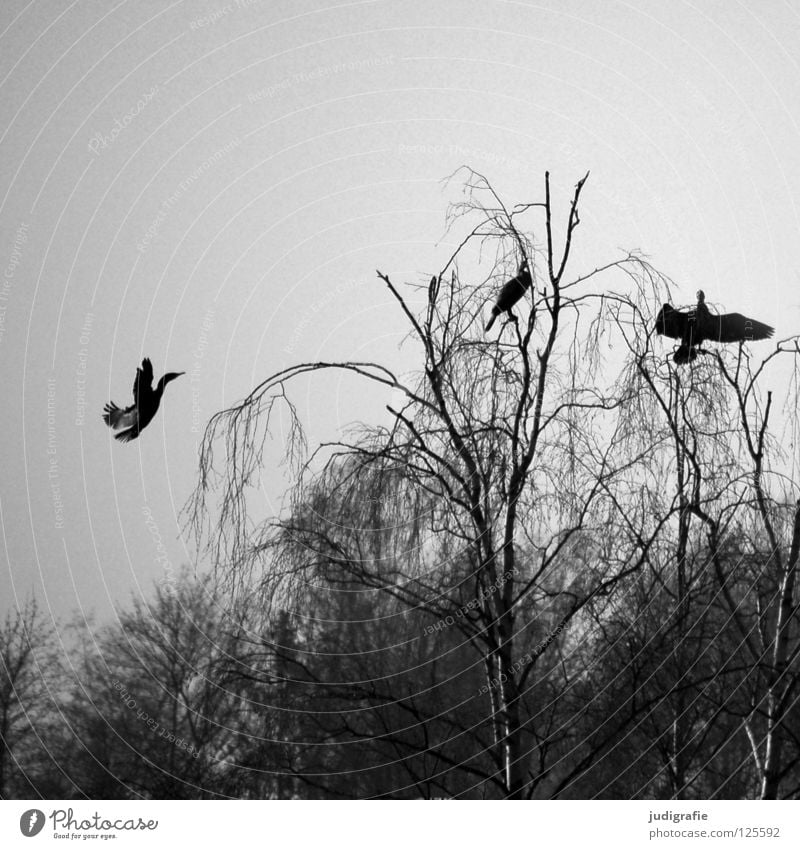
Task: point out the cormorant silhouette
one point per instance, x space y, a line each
699 325
511 292
145 403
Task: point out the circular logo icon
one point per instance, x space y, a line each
31 822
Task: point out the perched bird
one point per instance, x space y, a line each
145 403
699 325
511 292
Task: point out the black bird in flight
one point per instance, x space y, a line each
511 292
145 403
699 325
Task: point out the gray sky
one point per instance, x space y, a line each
213 184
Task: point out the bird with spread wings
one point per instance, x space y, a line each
132 420
699 325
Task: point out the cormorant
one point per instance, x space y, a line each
145 403
699 325
511 292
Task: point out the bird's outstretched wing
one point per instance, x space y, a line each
671 322
735 327
143 383
117 418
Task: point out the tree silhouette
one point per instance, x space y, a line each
29 677
505 452
708 428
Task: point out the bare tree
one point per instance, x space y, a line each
155 711
29 675
708 427
505 450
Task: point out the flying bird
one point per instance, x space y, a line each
699 325
135 418
511 292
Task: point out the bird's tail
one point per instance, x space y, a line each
491 320
684 354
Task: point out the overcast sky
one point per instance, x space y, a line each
213 184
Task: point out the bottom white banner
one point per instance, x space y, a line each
395 824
